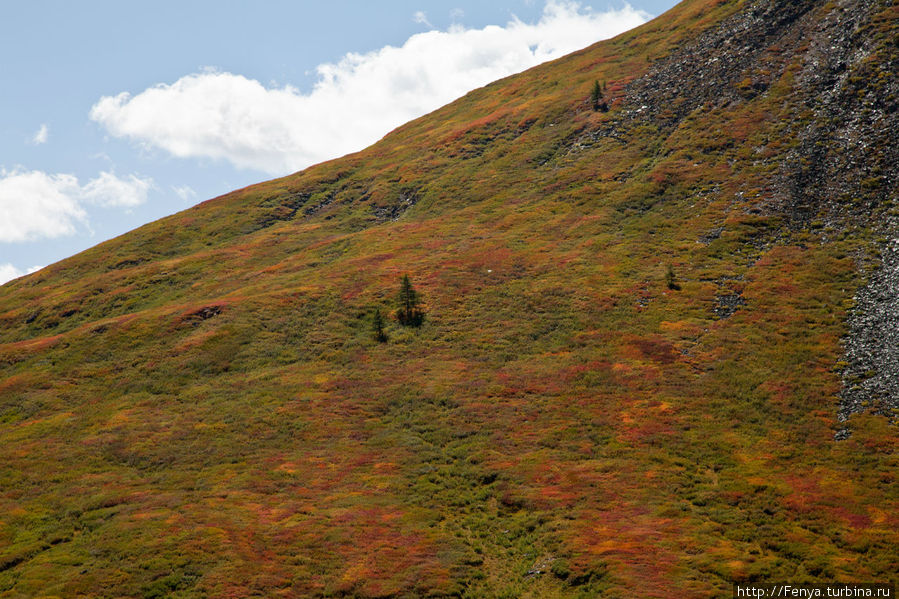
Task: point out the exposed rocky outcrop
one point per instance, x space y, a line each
844 168
842 172
871 376
843 175
734 61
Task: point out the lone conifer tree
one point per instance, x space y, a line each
409 313
671 279
597 99
377 326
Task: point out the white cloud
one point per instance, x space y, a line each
108 190
8 272
421 18
41 136
185 192
37 205
355 102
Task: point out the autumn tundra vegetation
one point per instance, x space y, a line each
631 379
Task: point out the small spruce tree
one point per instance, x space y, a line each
671 280
597 99
377 326
409 313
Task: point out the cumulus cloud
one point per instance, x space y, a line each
38 205
8 272
355 101
41 136
109 190
35 205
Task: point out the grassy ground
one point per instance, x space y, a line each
199 408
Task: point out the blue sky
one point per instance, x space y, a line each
113 114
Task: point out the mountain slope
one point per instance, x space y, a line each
198 408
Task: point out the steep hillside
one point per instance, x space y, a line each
657 358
